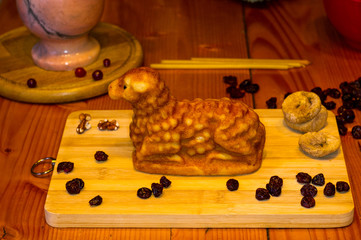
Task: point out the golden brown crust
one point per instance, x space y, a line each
199 137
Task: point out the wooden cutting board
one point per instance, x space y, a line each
191 202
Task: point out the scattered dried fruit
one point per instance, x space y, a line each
329 190
262 194
318 180
31 83
157 189
303 177
65 167
74 186
96 201
308 190
342 186
232 184
165 182
308 202
144 193
100 156
356 132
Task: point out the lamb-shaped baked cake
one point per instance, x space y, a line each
199 137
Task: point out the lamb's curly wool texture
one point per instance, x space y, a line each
198 137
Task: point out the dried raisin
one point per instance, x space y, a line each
100 156
308 202
165 182
157 189
356 132
66 167
262 194
308 190
303 177
342 186
318 180
96 201
74 186
232 184
144 193
329 190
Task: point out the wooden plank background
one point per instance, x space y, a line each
181 29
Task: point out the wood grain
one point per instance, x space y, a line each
191 201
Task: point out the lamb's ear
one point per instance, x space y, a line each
140 87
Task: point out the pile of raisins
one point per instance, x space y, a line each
309 191
350 95
273 188
156 188
238 91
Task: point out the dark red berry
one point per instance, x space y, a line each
165 182
342 186
308 190
74 186
329 105
97 75
272 103
144 193
80 72
252 88
329 190
230 80
318 180
106 62
157 189
65 167
342 130
262 194
232 184
31 83
356 132
308 202
303 177
244 84
96 201
100 156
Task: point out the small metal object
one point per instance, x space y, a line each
43 161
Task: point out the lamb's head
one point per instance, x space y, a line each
136 85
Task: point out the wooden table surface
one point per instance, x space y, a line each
181 29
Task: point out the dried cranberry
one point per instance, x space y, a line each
342 186
318 180
96 201
230 80
31 83
348 104
106 62
245 83
276 180
272 103
97 75
232 184
165 182
308 190
342 130
74 186
308 202
329 190
157 189
341 109
303 177
347 97
348 115
80 72
252 88
144 193
66 167
334 93
262 194
356 132
329 105
340 120
274 189
236 93
100 156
